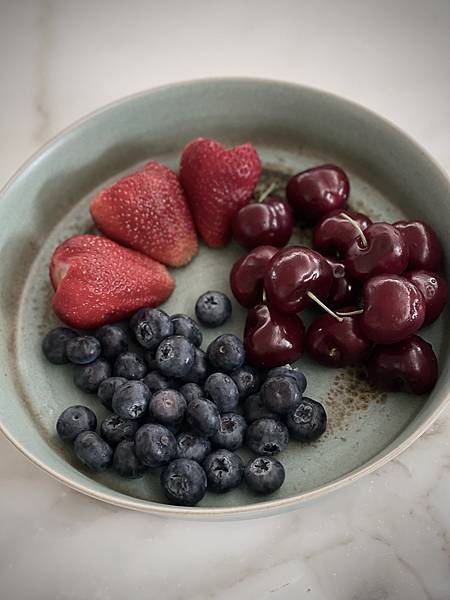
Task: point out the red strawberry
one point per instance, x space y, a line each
147 211
217 182
98 281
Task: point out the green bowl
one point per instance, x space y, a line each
293 128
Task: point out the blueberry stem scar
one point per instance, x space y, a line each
324 306
358 227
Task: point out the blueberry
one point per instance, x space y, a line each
126 463
75 420
156 382
155 445
264 475
254 409
113 340
288 371
213 309
54 344
130 365
115 429
280 394
192 446
130 400
308 421
222 390
247 380
199 370
188 328
267 437
226 353
184 482
231 432
203 416
107 388
83 349
175 356
191 391
89 377
224 470
93 452
167 407
150 326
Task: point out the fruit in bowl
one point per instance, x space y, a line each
188 410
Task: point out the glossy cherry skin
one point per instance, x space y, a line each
333 234
386 252
293 272
434 289
317 191
335 343
408 366
425 251
271 338
263 223
343 290
394 309
247 275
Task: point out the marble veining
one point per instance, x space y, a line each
386 537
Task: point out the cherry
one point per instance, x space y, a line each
333 234
343 290
409 366
268 221
294 276
434 289
382 249
337 343
425 251
317 191
394 309
271 338
247 275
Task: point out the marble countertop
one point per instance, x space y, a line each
387 536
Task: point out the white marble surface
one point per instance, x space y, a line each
387 537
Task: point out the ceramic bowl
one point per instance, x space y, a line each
293 128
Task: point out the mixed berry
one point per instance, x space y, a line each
189 411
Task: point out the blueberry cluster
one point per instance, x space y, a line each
177 407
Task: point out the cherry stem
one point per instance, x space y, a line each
324 306
357 226
266 192
350 313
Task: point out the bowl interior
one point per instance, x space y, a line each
293 128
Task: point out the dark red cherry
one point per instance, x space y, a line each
383 252
247 275
271 338
425 251
335 343
343 290
408 366
263 223
434 289
317 191
294 272
394 309
333 234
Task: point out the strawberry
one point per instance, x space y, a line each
217 182
97 281
147 211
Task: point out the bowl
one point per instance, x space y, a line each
293 128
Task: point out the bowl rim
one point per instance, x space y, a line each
264 508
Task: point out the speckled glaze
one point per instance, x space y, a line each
293 128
